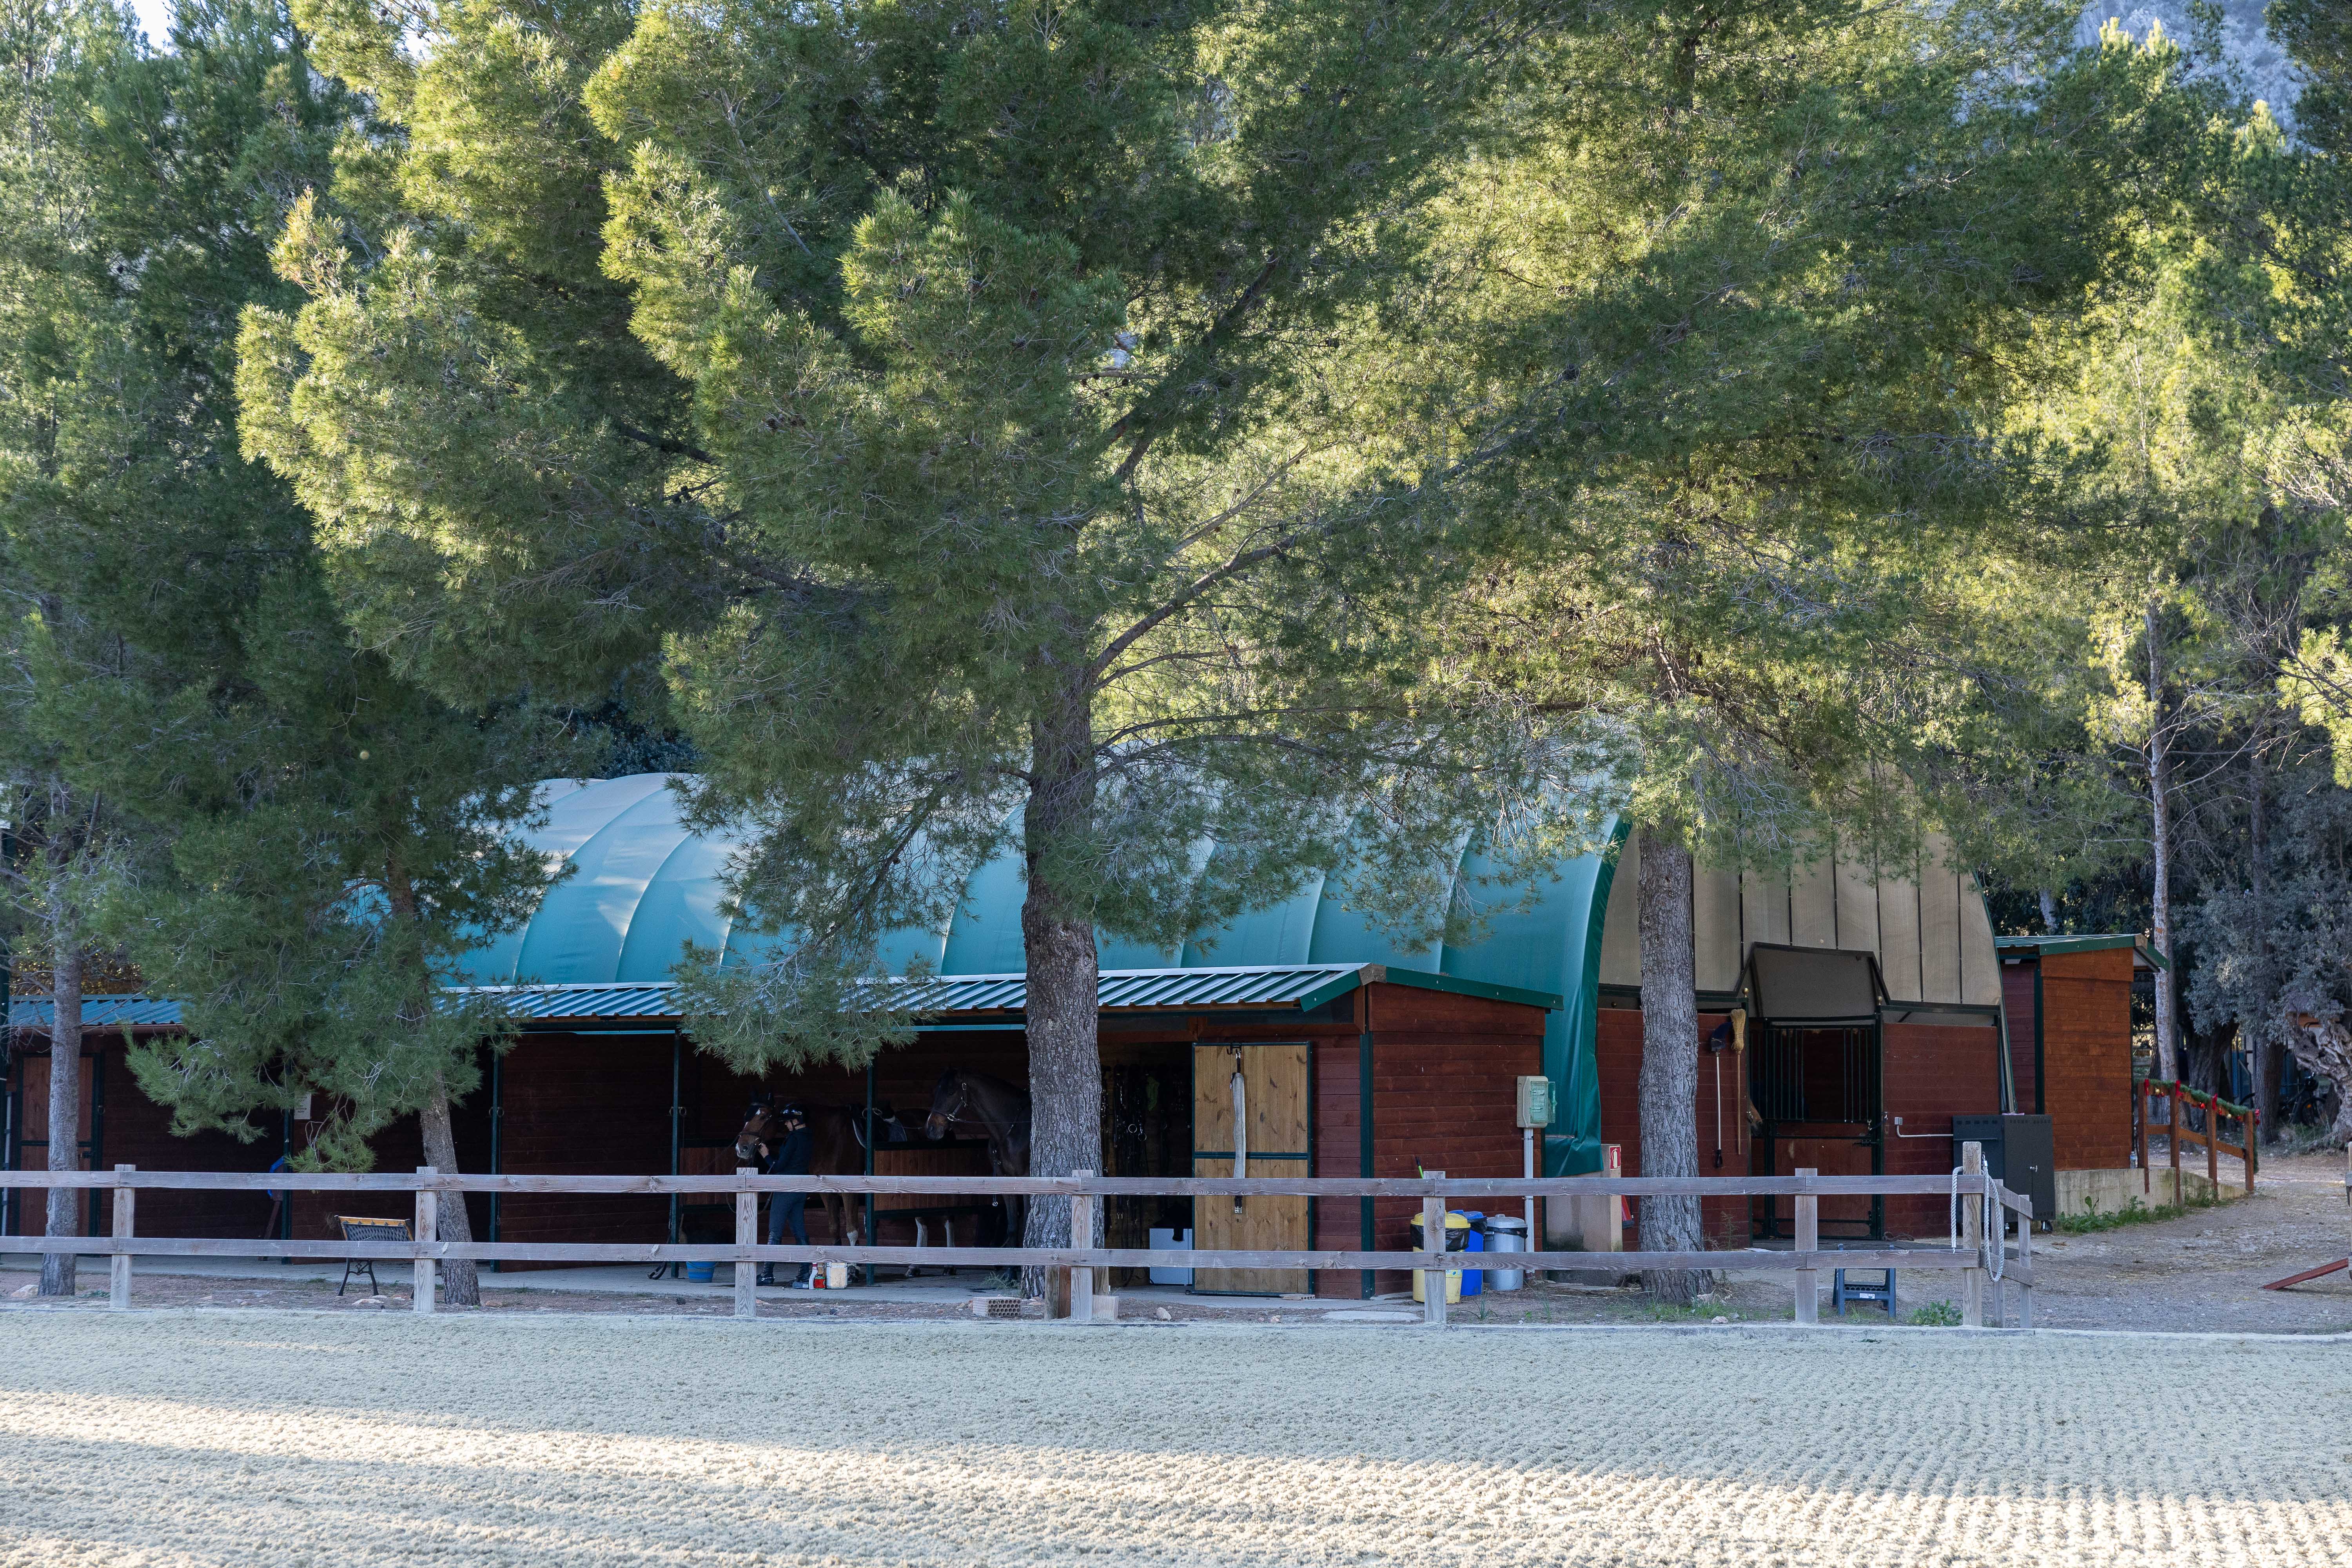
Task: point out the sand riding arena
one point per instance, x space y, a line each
172 1438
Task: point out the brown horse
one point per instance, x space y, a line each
833 1150
999 1112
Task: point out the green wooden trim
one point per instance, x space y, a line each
1336 987
1423 980
2101 943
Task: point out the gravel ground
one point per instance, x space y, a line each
2206 1270
250 1438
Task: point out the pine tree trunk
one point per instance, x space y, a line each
1058 940
2160 791
1669 1079
65 1088
2048 913
461 1284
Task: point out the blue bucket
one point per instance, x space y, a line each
700 1273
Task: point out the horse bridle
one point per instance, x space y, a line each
769 1113
960 1102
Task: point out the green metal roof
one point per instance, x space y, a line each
98 1012
2097 943
1300 987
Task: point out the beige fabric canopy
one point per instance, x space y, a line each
1925 924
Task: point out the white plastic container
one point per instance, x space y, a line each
1505 1233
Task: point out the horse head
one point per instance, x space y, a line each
758 1123
947 1103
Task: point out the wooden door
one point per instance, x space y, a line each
1273 1094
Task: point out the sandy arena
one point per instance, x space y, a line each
303 1438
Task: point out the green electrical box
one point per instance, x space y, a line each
1535 1109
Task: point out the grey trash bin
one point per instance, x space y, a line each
1505 1233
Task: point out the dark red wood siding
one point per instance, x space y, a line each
1619 1050
2086 1037
1933 1073
1444 1072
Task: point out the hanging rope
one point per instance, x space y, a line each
1995 1234
1992 1244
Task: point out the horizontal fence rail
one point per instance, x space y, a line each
1028 1186
1980 1257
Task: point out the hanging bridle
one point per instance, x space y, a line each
947 1118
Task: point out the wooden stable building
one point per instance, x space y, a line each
1865 996
1868 995
2068 1000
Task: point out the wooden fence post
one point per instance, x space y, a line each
2025 1258
1082 1239
426 1230
1434 1238
118 1293
2213 1145
1972 1291
2173 1105
747 1235
1808 1239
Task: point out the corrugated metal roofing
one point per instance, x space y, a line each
97 1012
1129 990
1301 986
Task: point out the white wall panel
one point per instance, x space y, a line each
1898 934
1857 909
1812 906
1715 929
1620 928
1940 924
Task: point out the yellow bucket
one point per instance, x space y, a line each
1457 1239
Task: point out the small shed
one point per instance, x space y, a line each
2068 1001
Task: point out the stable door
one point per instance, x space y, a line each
1251 1105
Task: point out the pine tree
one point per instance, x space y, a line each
1010 421
62 326
1758 539
316 838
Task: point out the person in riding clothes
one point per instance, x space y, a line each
788 1157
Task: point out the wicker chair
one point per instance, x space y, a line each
368 1227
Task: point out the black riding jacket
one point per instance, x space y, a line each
792 1155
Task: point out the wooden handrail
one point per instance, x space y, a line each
426 1185
2178 1132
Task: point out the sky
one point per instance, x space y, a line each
2248 49
155 17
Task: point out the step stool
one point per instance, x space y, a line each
1840 1292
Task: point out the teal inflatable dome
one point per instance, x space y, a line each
643 887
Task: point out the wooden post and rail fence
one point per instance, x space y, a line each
1982 1253
2217 1110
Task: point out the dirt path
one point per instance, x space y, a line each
235 1439
2205 1271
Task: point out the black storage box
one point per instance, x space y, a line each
2017 1150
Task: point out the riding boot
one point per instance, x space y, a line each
767 1274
